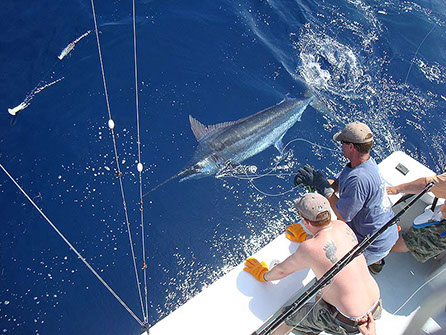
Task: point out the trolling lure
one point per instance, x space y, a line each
40 87
14 111
18 108
71 46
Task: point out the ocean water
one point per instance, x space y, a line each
383 63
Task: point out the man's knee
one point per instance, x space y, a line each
400 246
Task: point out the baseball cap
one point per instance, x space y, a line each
355 132
311 205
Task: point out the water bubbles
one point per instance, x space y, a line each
252 169
329 65
435 73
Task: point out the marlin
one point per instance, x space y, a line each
235 141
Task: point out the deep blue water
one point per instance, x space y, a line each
381 63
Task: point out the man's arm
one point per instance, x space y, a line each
334 185
295 262
352 199
412 187
333 199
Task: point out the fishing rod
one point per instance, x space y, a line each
336 268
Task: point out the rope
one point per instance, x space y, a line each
140 166
74 249
111 126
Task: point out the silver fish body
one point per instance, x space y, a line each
237 141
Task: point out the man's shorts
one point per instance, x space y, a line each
425 243
321 316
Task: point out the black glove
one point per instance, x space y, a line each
321 184
304 176
308 176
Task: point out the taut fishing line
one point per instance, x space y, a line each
269 172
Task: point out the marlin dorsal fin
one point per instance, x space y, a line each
200 130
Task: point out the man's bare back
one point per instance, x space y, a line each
352 294
353 291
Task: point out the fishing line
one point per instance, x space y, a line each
111 125
270 194
139 165
416 52
282 157
248 177
73 248
269 173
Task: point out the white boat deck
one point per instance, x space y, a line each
239 304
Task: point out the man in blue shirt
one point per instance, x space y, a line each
363 202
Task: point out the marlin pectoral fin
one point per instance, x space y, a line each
279 144
286 98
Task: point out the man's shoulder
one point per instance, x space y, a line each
308 248
369 165
366 173
339 223
341 226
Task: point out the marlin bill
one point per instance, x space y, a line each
235 141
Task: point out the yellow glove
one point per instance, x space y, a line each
256 268
296 233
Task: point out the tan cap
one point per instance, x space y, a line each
311 205
356 132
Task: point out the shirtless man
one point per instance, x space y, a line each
352 294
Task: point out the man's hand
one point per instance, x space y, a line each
308 176
304 176
391 190
257 269
321 184
296 233
367 327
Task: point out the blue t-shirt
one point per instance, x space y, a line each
364 204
